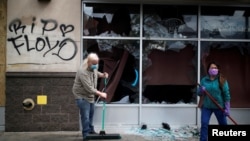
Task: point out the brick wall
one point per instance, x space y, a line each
60 113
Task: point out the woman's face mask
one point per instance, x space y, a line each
213 72
94 66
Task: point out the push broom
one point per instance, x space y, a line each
102 134
215 102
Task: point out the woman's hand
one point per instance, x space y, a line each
227 108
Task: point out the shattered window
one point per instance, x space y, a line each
170 21
168 46
105 27
169 66
229 23
120 58
227 32
169 72
234 61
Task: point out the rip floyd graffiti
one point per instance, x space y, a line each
40 43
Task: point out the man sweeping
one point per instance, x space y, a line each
85 89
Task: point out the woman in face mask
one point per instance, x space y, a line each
85 89
217 86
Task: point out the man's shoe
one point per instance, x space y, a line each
92 132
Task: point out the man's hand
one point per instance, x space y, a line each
105 75
103 95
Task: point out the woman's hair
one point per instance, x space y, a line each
222 78
90 57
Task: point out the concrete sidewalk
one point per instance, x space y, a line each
184 133
54 136
74 136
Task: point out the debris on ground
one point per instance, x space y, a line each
166 126
184 133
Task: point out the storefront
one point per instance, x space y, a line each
155 52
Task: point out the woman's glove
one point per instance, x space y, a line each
202 89
227 108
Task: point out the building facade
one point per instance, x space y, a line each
155 52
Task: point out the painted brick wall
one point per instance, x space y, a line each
60 113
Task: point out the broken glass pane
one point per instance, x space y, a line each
229 23
112 19
170 21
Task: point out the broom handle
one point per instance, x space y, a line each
216 103
104 105
103 114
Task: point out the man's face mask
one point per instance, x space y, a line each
94 66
